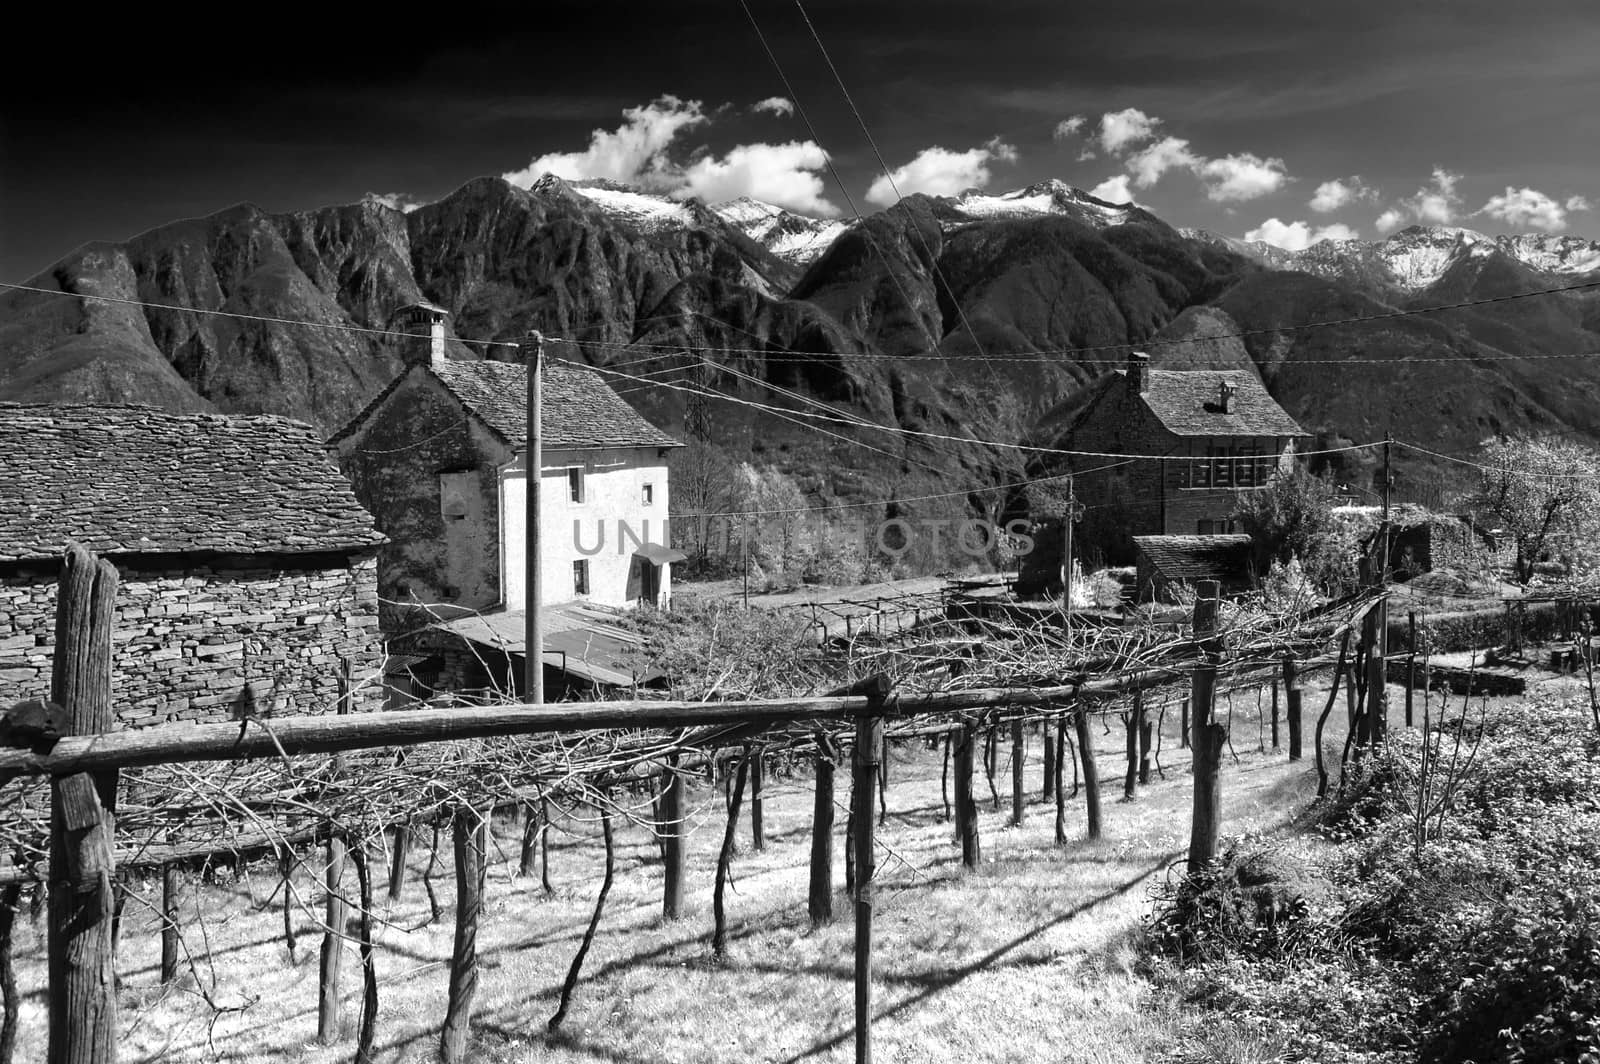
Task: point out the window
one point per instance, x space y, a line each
580 577
649 494
575 483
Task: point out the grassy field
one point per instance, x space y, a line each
1030 958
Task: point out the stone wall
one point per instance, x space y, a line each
187 640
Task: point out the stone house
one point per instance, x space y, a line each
244 558
1209 434
1165 563
440 458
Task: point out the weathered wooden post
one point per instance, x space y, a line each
869 737
1130 728
1375 631
335 909
1209 735
1049 760
719 913
966 804
1057 773
758 829
673 857
469 831
1275 714
397 866
819 902
1091 775
1183 727
10 1004
1019 795
1146 737
1292 700
1411 667
169 923
81 951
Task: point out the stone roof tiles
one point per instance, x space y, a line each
1190 558
136 480
580 409
1187 402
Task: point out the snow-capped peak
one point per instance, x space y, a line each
1045 197
794 238
646 210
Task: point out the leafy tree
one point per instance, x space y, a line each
1292 519
1544 494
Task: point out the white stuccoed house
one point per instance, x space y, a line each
440 459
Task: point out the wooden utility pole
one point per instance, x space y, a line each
1209 736
81 950
1069 516
533 634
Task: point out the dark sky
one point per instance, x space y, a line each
118 123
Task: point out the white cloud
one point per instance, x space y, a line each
1113 190
638 153
1120 130
1148 165
1341 192
781 106
1577 203
1390 220
783 174
395 201
1086 154
1242 177
1069 127
939 172
1527 208
1297 236
1435 203
634 153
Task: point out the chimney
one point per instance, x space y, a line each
424 324
1138 372
1225 390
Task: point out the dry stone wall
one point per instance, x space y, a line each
188 641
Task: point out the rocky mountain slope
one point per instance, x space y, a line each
968 319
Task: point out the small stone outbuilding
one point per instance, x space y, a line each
243 553
1167 562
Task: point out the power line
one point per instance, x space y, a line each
1496 469
332 326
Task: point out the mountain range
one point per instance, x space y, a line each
971 321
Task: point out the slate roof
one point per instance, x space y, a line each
1186 402
136 480
580 409
1191 558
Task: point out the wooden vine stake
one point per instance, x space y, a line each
1209 735
1019 797
571 982
672 839
1292 705
819 902
169 924
1091 773
869 740
329 1005
966 804
81 948
10 1003
469 832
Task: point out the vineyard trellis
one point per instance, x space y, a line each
339 781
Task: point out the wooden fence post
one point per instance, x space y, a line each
673 856
1209 736
469 831
1146 736
10 1005
966 804
758 830
397 866
1130 728
1018 783
1275 714
869 738
1411 667
169 923
819 903
1292 704
1049 760
81 951
1091 775
1056 774
335 909
1183 726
